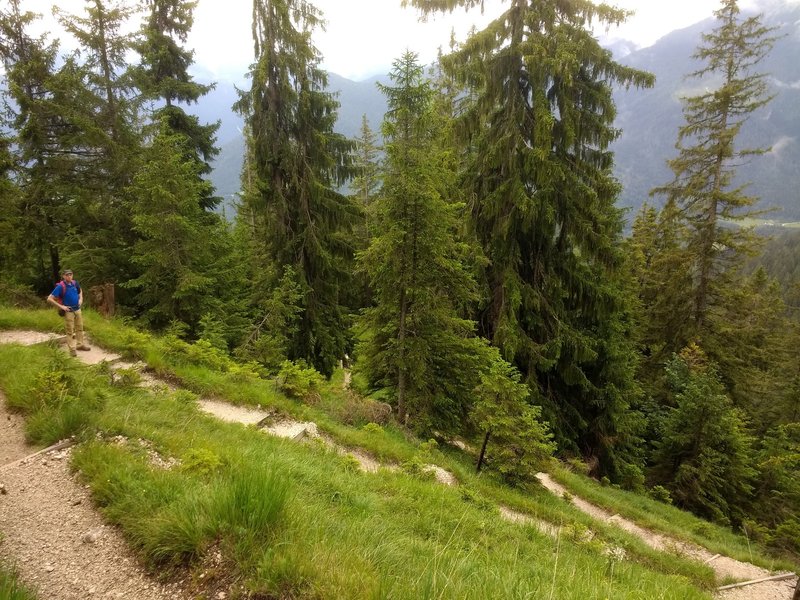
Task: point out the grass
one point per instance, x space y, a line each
10 586
296 520
660 517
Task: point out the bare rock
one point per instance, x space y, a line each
91 537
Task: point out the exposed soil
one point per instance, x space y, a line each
28 338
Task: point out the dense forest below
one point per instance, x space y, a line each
474 274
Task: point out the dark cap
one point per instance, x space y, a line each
66 272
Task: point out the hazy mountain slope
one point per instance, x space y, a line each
650 118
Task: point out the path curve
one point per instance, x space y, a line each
59 544
723 566
49 529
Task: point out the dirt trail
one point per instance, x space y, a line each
52 534
723 566
49 529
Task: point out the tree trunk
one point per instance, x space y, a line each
401 375
483 451
102 299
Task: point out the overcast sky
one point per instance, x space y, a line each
364 36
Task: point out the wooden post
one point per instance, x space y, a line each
102 299
797 590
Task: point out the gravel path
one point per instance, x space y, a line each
723 566
63 549
49 529
58 542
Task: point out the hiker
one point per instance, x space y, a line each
68 298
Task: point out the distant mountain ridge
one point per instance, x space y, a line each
649 119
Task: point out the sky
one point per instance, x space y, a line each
363 37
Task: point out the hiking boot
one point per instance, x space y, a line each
73 352
84 347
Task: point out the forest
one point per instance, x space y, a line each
466 258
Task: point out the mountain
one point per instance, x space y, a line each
649 119
356 98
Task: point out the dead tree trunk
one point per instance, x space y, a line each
102 299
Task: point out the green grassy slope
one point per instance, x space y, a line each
299 520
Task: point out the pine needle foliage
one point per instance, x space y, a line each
416 342
163 76
708 156
535 124
179 245
297 163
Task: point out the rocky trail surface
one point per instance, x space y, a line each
62 548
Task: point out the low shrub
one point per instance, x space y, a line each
298 380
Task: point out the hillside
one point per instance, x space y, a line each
649 119
227 511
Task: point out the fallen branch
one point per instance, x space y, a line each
754 581
57 446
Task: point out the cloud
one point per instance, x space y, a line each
779 146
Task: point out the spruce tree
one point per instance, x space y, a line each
163 77
416 342
42 103
661 274
180 247
297 163
708 156
536 124
704 456
111 147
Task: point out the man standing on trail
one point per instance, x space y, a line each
68 298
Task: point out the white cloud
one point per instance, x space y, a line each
363 37
779 146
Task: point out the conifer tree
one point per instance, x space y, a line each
753 345
41 101
109 125
661 272
297 163
536 124
163 76
708 155
13 253
416 342
367 181
515 442
180 246
705 455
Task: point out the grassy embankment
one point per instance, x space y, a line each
296 520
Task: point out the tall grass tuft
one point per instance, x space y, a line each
11 588
179 532
250 501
